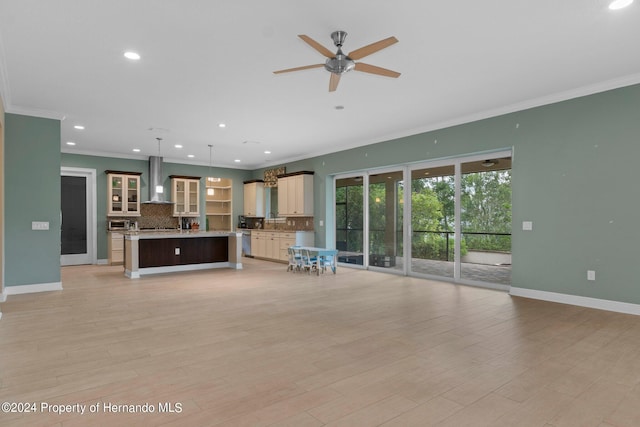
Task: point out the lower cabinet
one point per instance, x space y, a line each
115 248
182 251
273 245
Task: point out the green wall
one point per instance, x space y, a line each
101 164
32 193
574 176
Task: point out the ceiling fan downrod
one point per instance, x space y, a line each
340 63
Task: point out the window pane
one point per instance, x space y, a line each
350 220
486 221
433 221
386 220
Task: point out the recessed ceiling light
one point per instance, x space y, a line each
237 160
191 156
71 143
222 125
619 4
136 150
132 55
267 152
178 146
79 127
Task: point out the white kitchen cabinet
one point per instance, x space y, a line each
295 194
258 244
286 240
273 245
115 248
254 198
123 193
185 195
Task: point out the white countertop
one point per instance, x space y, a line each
151 234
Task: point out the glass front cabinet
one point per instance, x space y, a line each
123 193
185 195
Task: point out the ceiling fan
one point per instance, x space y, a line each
339 63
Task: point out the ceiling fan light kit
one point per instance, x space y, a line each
339 63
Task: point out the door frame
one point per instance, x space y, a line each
92 219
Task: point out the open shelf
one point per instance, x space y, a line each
219 204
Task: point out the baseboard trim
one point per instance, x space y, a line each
600 304
103 262
29 289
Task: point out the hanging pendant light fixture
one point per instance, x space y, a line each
210 190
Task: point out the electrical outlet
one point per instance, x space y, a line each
527 225
591 275
177 251
39 225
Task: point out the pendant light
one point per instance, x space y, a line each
210 190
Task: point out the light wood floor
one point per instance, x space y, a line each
263 347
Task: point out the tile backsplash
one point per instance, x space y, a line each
291 223
153 215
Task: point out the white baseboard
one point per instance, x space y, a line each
600 304
28 289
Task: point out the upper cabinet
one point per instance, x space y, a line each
185 195
254 198
123 193
295 194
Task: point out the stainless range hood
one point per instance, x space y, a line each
155 181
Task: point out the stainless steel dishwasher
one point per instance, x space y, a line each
246 243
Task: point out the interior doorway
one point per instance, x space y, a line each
78 206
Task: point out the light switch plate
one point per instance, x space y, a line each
39 225
591 275
527 225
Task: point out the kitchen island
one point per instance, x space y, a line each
166 252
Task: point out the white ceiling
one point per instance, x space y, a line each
206 62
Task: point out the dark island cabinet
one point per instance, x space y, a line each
183 251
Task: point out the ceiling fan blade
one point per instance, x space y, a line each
372 48
306 67
317 46
333 82
367 68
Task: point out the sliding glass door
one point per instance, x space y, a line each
350 220
485 220
453 221
433 221
386 224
